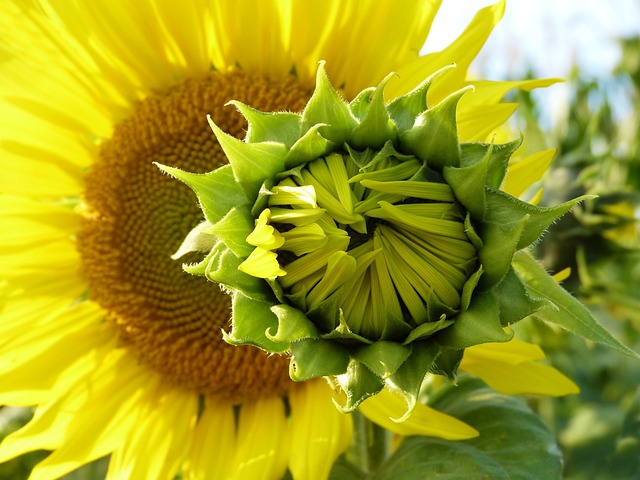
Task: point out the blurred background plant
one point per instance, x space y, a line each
598 153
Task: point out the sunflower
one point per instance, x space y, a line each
118 348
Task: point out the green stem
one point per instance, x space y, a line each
370 447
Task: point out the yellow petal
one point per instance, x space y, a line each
262 264
262 442
461 52
319 431
385 406
479 124
513 368
162 436
213 443
68 424
249 33
37 367
524 173
341 33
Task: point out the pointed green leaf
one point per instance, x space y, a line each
513 300
293 325
382 358
434 135
513 443
447 363
252 163
405 109
313 358
498 160
279 127
468 184
408 379
427 329
251 319
217 191
359 383
234 228
376 128
222 267
503 208
199 239
327 107
565 311
479 324
360 105
312 145
500 241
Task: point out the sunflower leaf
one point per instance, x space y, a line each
564 310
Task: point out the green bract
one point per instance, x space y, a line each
366 242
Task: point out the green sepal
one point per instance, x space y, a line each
360 105
500 154
480 323
503 209
222 267
252 163
408 379
293 325
469 287
343 333
327 107
199 239
382 358
217 191
447 363
234 228
500 239
563 310
427 329
376 128
514 300
313 358
434 136
310 146
359 383
200 268
251 319
405 109
279 127
468 184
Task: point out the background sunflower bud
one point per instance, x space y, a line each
366 242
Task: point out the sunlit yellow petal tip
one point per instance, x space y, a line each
423 420
262 263
513 368
562 275
264 235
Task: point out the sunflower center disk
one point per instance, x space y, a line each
137 217
368 235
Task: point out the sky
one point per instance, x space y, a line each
548 35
